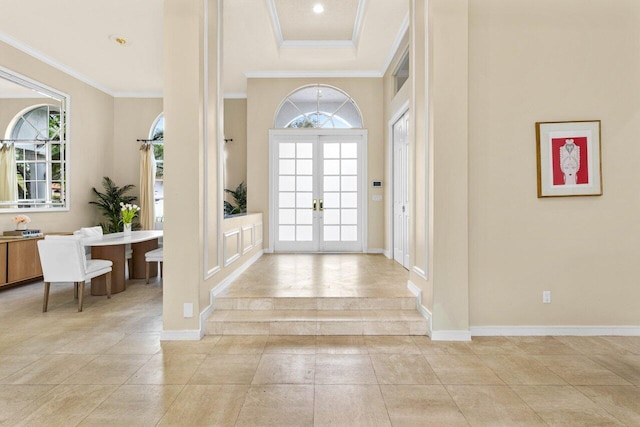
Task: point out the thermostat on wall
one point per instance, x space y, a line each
375 184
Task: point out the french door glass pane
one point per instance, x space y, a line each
305 150
287 233
304 183
295 191
287 150
332 233
332 167
349 200
349 233
287 200
349 150
331 151
304 216
303 200
332 217
331 200
287 183
349 216
349 183
349 167
287 167
304 233
304 167
331 183
287 216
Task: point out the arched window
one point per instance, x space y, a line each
39 156
157 135
318 106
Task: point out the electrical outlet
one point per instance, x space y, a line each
546 297
188 309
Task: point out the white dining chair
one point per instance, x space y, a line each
63 260
155 255
96 231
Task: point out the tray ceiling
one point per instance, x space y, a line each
351 38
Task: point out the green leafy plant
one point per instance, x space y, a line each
240 197
109 203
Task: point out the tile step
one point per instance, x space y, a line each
315 303
316 322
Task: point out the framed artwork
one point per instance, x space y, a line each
569 161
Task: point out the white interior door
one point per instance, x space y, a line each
401 190
317 204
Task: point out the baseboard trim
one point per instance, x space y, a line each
490 331
181 335
424 311
387 253
456 335
375 251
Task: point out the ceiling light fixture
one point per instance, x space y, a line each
119 40
318 8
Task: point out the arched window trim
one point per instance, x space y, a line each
158 150
53 198
348 99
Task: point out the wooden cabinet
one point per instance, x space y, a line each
3 263
19 260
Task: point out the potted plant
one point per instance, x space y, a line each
240 197
109 203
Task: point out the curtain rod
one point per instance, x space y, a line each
26 140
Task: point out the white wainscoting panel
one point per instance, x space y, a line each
232 246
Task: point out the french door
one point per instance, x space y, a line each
317 182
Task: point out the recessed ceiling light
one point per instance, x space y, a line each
318 8
119 40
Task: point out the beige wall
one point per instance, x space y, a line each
90 136
550 60
235 127
264 97
133 118
448 159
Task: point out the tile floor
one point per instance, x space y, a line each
106 366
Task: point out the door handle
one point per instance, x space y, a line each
315 204
321 205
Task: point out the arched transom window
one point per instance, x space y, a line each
318 106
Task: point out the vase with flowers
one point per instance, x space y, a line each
128 212
21 221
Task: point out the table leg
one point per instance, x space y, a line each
115 254
139 263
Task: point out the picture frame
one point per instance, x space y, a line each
569 158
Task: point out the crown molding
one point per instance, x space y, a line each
404 28
312 74
138 95
52 62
